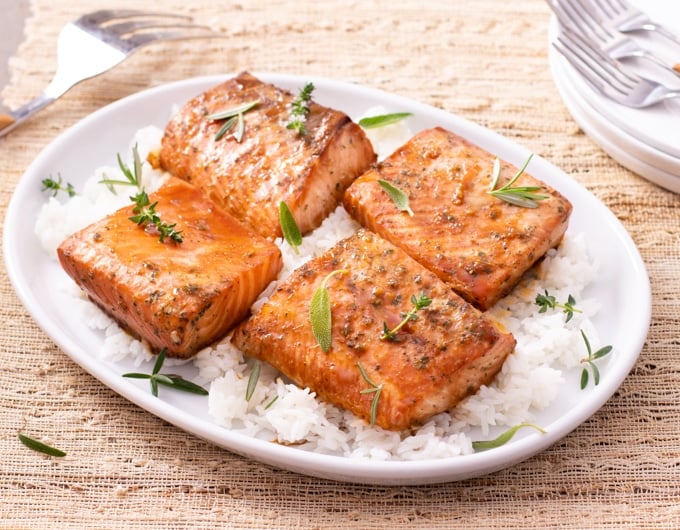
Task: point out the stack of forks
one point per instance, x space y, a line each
618 71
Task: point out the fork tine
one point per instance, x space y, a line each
105 16
136 40
122 29
593 66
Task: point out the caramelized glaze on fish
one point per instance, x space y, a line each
178 296
433 362
477 243
271 163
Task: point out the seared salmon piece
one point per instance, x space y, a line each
480 245
271 163
179 296
428 366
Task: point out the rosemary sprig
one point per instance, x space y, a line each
171 380
376 390
55 186
233 116
253 378
590 362
382 120
504 438
400 199
39 446
320 313
289 228
419 302
525 196
299 109
145 213
547 301
133 177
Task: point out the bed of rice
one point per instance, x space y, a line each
528 382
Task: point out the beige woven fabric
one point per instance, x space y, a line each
484 60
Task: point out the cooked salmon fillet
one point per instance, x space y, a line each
179 296
430 365
271 163
477 243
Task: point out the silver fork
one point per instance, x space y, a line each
98 41
626 18
607 76
581 17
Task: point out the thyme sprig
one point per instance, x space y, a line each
419 302
525 196
547 301
133 177
55 186
399 197
145 213
483 445
233 116
374 389
590 362
320 313
382 120
170 380
289 228
40 446
299 109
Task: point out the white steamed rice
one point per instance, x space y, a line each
279 411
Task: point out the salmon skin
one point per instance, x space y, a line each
178 296
433 362
477 243
271 163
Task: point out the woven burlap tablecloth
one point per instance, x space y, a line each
485 61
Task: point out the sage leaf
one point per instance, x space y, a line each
373 122
320 317
39 446
291 232
400 199
320 313
504 438
252 380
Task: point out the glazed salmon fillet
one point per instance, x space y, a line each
430 364
178 296
271 163
480 245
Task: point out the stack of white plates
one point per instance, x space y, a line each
646 141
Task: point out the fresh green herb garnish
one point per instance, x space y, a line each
375 390
39 446
271 402
504 438
592 356
55 186
400 199
291 232
233 117
320 313
373 122
171 380
525 196
252 380
419 302
133 177
547 301
145 213
299 110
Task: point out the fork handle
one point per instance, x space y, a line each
9 119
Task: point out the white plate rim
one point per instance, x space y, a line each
20 255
